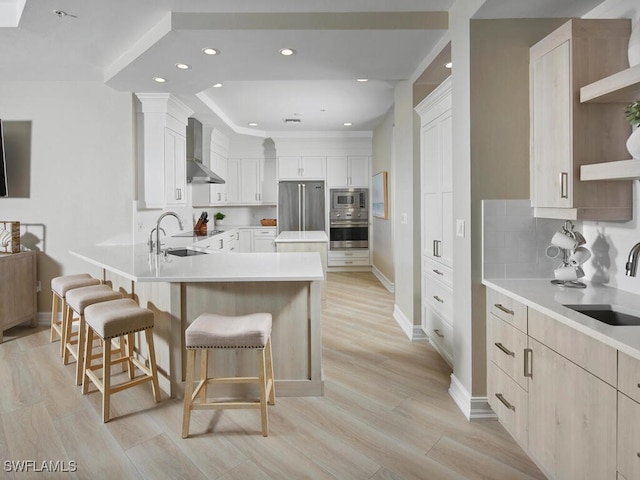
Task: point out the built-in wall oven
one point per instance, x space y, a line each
349 218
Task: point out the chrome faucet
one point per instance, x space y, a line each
632 261
150 242
173 214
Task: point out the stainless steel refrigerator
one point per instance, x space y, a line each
300 206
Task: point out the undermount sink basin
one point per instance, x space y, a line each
609 314
184 252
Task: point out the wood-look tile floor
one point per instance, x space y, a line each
385 415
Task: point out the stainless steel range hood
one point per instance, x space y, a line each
197 172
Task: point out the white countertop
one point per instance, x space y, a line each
314 236
549 299
134 262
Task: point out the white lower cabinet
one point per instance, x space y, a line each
553 389
264 240
349 258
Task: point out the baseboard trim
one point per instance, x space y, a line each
388 284
474 408
413 332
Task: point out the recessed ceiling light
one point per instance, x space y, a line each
253 124
183 66
347 124
159 79
287 52
217 85
448 65
210 51
362 80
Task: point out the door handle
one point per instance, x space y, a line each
528 362
504 349
505 402
564 184
503 309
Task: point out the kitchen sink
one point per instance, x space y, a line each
184 252
609 314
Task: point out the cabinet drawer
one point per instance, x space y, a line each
629 376
440 332
349 254
509 401
628 463
437 270
507 309
439 297
594 356
506 348
264 232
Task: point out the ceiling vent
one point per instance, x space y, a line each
291 120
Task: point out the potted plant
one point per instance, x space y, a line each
218 217
632 115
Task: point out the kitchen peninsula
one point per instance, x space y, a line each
178 289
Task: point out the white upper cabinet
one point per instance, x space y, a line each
161 125
251 181
294 168
348 171
566 134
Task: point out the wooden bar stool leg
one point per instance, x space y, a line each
106 380
67 333
152 363
128 351
188 391
55 301
204 374
81 350
270 377
88 350
263 391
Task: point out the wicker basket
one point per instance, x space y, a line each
268 222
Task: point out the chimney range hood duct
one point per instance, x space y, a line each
197 172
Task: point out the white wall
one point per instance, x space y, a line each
381 229
82 172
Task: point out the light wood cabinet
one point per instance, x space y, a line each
18 300
348 171
295 168
628 437
566 134
566 382
161 126
356 257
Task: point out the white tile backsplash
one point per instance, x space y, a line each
514 242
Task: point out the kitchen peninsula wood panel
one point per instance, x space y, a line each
18 300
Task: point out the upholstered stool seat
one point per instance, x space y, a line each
78 300
59 288
213 331
109 320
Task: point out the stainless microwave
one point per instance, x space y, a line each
349 198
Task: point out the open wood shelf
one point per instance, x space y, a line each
618 170
621 87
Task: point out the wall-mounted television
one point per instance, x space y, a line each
3 166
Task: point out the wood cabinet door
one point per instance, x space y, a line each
250 180
289 167
337 171
572 418
312 167
628 437
359 175
551 123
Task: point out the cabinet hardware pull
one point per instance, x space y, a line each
437 272
436 248
638 454
438 332
438 299
528 362
504 309
639 385
564 185
504 349
178 194
505 402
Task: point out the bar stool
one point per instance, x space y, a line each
109 320
59 287
78 300
219 331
